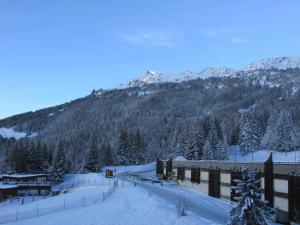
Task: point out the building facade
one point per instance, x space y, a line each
280 182
12 185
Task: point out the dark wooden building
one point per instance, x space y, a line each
280 182
23 185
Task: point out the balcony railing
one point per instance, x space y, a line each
38 183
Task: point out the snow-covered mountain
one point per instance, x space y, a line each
281 63
151 77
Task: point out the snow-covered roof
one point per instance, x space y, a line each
22 175
180 158
6 186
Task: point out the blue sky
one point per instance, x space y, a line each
55 51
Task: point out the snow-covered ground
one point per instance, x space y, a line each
10 133
130 205
81 190
262 155
133 168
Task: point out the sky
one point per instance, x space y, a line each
54 51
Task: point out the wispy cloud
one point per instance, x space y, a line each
152 38
225 35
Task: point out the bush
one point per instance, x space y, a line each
181 207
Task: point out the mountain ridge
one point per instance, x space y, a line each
152 76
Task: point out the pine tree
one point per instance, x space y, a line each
251 209
250 134
208 151
106 155
46 158
137 148
178 142
197 141
58 168
284 133
212 135
222 150
34 158
93 158
269 139
122 153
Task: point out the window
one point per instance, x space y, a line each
195 175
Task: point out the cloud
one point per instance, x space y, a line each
151 39
224 35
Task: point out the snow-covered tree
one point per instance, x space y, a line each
106 155
251 209
93 158
222 150
58 168
122 153
137 147
35 158
269 138
250 134
208 151
284 133
212 135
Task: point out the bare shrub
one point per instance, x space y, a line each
181 206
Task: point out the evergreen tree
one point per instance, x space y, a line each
251 209
106 155
212 135
250 134
178 142
222 151
18 156
269 139
46 158
92 162
122 153
137 148
58 168
284 133
208 151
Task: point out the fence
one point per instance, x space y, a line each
84 183
61 203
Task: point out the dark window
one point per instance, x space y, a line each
180 173
195 175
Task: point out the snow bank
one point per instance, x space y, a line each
10 133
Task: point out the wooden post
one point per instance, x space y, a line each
269 185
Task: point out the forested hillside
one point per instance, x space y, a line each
196 118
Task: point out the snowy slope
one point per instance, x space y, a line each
133 168
262 155
10 133
281 63
150 77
